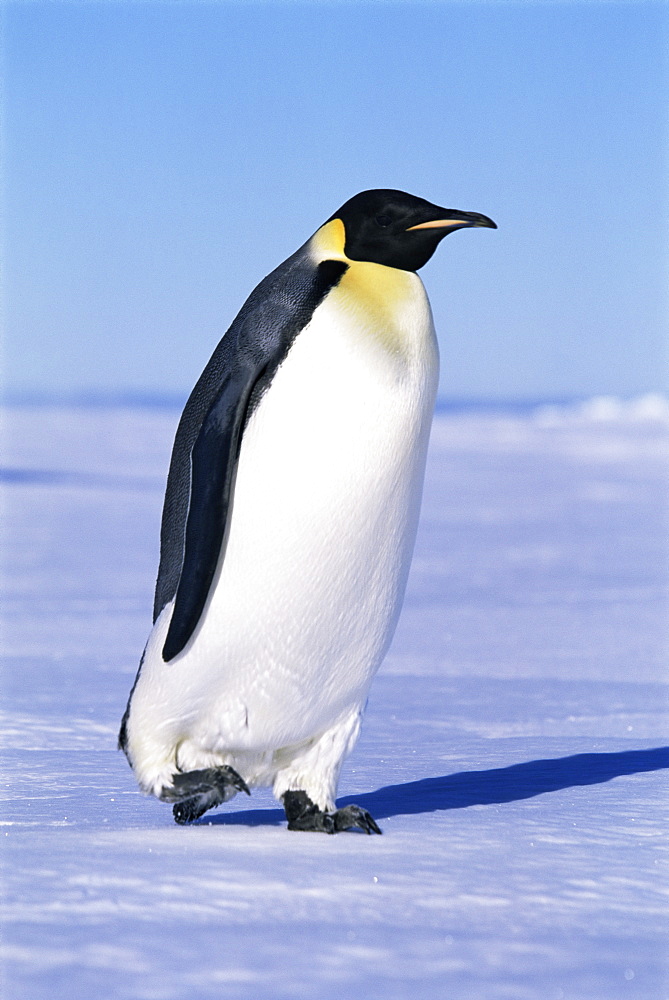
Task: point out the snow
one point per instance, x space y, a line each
514 748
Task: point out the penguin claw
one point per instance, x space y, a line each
191 809
303 814
194 792
352 816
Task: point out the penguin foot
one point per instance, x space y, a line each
194 792
303 814
352 816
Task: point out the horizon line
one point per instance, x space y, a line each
168 400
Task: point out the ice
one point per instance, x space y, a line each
514 748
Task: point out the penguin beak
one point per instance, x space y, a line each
456 220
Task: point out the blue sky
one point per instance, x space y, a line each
161 158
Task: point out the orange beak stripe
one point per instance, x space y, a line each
438 224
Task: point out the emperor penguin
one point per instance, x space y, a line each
289 521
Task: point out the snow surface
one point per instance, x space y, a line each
513 750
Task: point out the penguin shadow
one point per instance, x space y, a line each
471 788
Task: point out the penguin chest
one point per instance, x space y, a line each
326 501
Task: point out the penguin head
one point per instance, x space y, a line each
398 229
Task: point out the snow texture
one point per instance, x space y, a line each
513 749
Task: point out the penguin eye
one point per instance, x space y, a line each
383 220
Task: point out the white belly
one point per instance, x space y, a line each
326 503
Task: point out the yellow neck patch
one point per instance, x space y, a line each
328 241
377 295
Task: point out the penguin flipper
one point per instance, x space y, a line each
232 383
213 465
